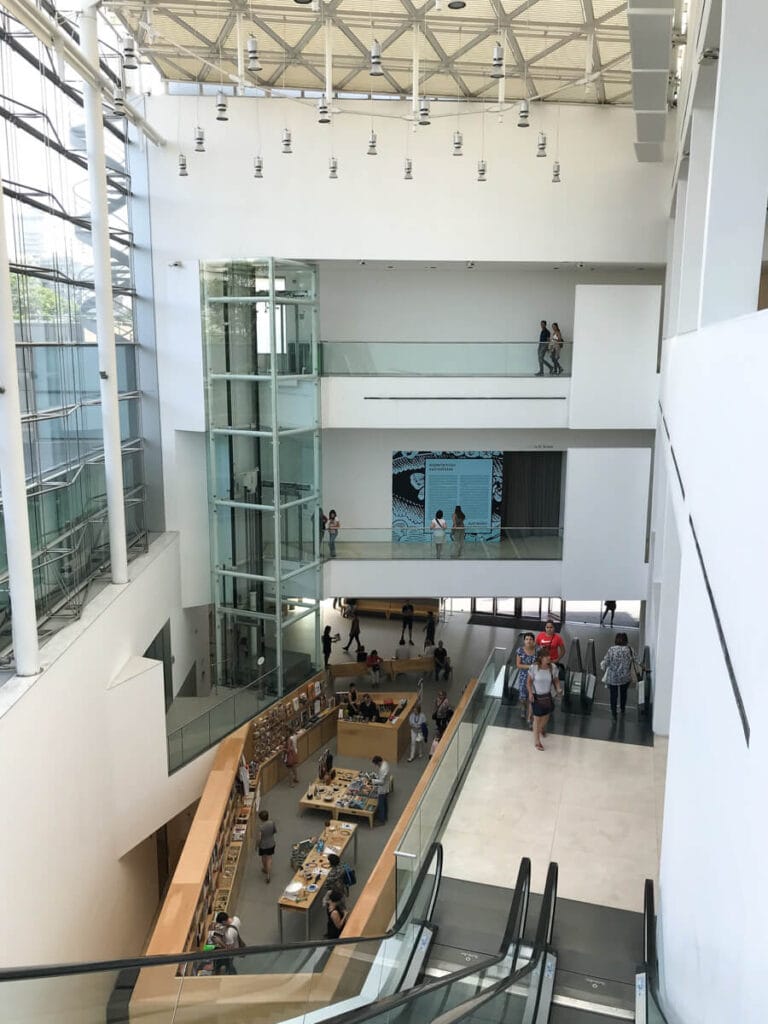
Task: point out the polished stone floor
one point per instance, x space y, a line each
594 807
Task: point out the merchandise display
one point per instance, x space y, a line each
351 792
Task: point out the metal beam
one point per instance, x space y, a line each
597 65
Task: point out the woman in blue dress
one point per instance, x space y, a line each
526 655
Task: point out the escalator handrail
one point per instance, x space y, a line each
513 933
650 954
435 855
541 947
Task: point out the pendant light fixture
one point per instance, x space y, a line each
286 140
408 173
523 113
130 62
183 173
424 112
541 145
376 68
258 167
221 106
556 172
118 102
497 61
458 143
372 151
333 168
456 5
323 115
252 53
482 170
199 140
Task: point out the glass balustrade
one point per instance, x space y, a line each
438 359
412 543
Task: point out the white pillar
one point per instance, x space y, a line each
13 484
674 259
695 205
738 180
105 323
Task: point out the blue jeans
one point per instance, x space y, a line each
332 544
382 808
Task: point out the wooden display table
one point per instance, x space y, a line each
388 739
341 793
307 884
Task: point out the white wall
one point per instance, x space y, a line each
84 777
614 356
606 501
713 901
606 508
609 208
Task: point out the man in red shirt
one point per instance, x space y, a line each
551 641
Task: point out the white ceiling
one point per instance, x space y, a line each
566 50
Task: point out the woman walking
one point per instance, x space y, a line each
332 528
291 756
524 658
443 712
267 833
542 676
458 532
555 348
617 665
438 526
418 723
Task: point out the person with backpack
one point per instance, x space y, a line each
443 712
225 934
336 877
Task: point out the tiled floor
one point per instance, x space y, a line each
594 807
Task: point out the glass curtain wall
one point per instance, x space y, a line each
45 183
262 399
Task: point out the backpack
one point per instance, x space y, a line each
350 876
217 936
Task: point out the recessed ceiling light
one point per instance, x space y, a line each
456 5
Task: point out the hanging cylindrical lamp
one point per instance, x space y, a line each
252 53
482 170
376 68
221 106
456 5
199 140
541 145
118 101
497 61
556 172
408 174
523 113
258 167
130 62
323 115
424 112
286 140
372 151
458 143
333 168
183 166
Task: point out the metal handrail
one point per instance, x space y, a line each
92 967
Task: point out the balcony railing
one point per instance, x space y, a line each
512 543
438 359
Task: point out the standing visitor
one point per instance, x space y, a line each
438 526
544 337
555 348
383 781
322 520
442 661
407 613
336 911
525 657
458 532
333 526
354 632
542 676
418 723
443 712
617 665
429 629
267 833
336 879
327 640
291 756
374 662
610 607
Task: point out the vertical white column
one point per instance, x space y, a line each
738 181
415 74
674 258
13 484
276 490
105 323
696 199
